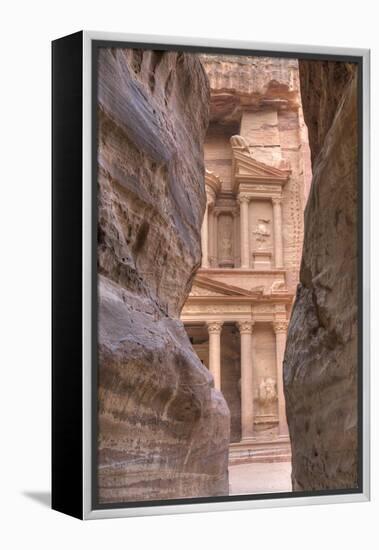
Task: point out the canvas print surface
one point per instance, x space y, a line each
227 252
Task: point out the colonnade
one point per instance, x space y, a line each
247 370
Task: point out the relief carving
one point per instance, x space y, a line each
267 391
270 188
190 309
266 400
263 309
262 231
226 247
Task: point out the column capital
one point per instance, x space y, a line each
243 198
280 326
245 327
276 200
214 327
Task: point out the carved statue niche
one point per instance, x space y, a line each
267 391
262 232
262 235
225 240
266 399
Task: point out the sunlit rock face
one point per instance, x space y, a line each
320 366
163 428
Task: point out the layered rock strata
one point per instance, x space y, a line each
163 430
320 365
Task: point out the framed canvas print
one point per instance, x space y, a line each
210 275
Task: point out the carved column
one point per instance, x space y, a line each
235 238
204 239
280 329
214 331
278 237
244 221
210 236
247 397
215 237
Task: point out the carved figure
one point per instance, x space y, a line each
226 247
267 391
240 143
261 231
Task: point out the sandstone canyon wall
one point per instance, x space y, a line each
320 365
163 428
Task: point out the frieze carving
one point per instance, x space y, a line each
263 309
269 188
188 309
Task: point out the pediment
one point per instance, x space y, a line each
246 168
204 286
197 290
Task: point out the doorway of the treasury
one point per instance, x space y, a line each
245 357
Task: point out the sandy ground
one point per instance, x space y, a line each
268 477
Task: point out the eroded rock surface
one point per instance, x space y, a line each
163 428
258 83
320 366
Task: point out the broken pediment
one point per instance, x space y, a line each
246 169
205 286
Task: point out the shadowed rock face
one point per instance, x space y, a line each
163 428
320 366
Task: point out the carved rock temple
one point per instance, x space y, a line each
257 180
